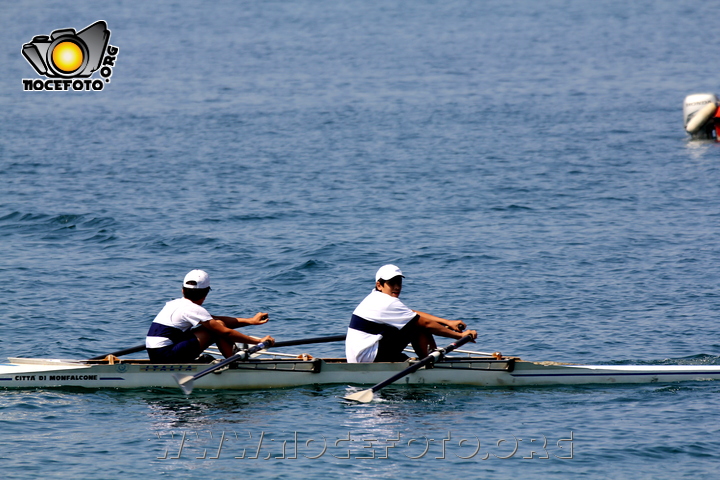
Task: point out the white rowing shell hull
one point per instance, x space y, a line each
265 374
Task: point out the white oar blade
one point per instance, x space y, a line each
365 396
185 382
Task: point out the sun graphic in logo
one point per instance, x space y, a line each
68 59
67 56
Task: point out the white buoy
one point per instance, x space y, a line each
698 109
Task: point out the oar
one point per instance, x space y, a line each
140 348
367 395
497 355
186 382
127 351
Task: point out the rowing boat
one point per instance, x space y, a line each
263 373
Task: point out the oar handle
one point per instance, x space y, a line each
432 358
240 355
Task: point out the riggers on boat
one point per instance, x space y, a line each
256 373
701 116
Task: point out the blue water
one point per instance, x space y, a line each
523 162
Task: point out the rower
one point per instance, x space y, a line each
382 326
184 329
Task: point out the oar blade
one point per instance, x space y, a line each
185 382
367 395
364 396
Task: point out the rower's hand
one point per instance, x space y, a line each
472 333
268 341
259 318
456 325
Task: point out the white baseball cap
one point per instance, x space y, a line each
197 279
387 272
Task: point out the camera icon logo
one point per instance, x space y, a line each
68 54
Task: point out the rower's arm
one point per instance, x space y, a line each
455 325
219 328
441 329
237 322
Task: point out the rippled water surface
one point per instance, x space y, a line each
523 162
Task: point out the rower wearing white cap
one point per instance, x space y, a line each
382 326
184 329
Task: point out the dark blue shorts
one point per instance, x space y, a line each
394 341
185 350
